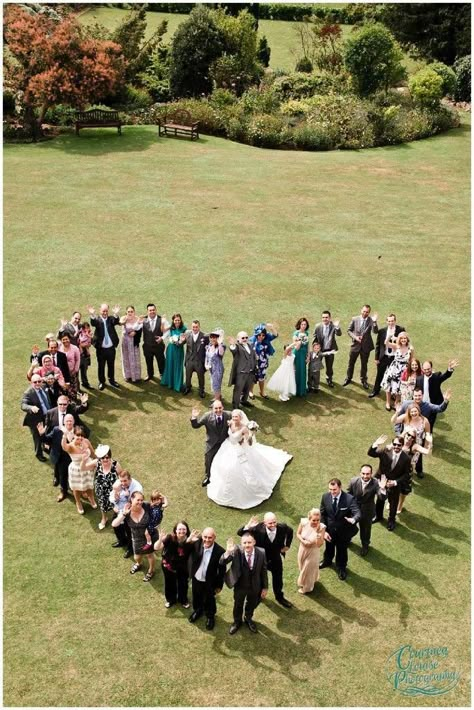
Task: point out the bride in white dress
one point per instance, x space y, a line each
243 472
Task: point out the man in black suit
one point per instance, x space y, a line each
195 357
364 488
217 430
430 383
55 416
395 465
35 404
59 358
52 388
59 458
71 329
243 369
207 576
275 538
360 331
105 340
248 578
325 334
340 513
153 345
384 352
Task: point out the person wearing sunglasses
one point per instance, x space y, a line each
242 374
395 465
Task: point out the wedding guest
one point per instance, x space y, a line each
300 351
59 458
105 341
173 372
414 451
391 381
106 471
73 355
80 480
242 374
121 493
71 328
310 533
283 379
325 334
207 576
315 365
47 368
155 328
196 342
214 361
177 547
408 378
137 515
360 331
84 341
131 334
35 404
261 342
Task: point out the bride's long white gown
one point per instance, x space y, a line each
243 476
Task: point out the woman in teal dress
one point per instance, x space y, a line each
300 351
173 374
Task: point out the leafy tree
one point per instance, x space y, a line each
263 51
372 56
238 65
320 45
447 75
426 88
462 69
433 31
51 61
196 44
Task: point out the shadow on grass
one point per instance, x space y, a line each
451 452
446 498
101 141
380 562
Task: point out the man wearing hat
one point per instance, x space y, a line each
214 361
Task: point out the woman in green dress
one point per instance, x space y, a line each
173 374
300 351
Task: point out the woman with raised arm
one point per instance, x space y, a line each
81 481
131 334
137 515
261 342
408 378
414 451
391 381
73 355
310 533
106 471
176 547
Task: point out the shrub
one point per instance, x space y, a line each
447 75
346 116
312 137
462 70
60 115
426 88
304 65
263 51
373 58
264 100
221 98
226 72
266 131
299 85
8 103
200 110
133 97
295 107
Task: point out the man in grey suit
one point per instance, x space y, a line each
242 374
325 334
153 345
364 488
248 578
196 342
217 430
360 331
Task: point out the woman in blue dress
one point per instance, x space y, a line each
173 374
261 342
300 350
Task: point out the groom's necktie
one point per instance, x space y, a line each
334 505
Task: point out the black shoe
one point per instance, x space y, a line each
210 623
391 525
187 390
420 474
324 564
346 382
364 551
128 554
55 482
284 602
365 385
202 394
87 386
41 458
376 519
250 623
205 481
247 404
195 616
115 384
330 383
234 628
117 544
342 574
373 394
101 386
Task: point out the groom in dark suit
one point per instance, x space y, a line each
217 430
153 345
207 576
340 513
248 578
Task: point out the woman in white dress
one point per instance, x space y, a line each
243 472
283 379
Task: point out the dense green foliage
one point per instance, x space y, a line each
462 70
373 58
447 75
426 88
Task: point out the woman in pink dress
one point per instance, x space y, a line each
131 332
310 533
73 355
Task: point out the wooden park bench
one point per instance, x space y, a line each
98 118
178 123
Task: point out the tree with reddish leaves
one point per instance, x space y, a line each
50 62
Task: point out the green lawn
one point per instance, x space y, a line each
281 36
234 235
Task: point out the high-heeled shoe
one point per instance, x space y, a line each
80 510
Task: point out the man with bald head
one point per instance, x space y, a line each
275 538
105 341
243 369
207 576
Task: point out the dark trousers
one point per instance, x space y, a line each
393 495
61 471
198 368
176 586
209 457
381 367
275 566
251 599
242 387
83 367
329 365
339 547
204 598
314 378
37 440
364 359
151 356
365 528
106 356
122 533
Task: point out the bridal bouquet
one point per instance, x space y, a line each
303 338
252 426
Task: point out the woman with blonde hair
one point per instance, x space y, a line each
391 381
310 533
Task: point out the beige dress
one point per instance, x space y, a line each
308 557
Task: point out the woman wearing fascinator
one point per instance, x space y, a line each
214 361
261 342
244 472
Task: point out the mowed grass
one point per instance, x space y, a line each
281 36
234 235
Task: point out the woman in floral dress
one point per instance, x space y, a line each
261 342
131 333
391 381
106 473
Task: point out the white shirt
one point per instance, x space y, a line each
390 334
426 389
195 336
202 569
106 342
271 534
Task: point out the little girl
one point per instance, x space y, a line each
283 379
84 340
158 502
